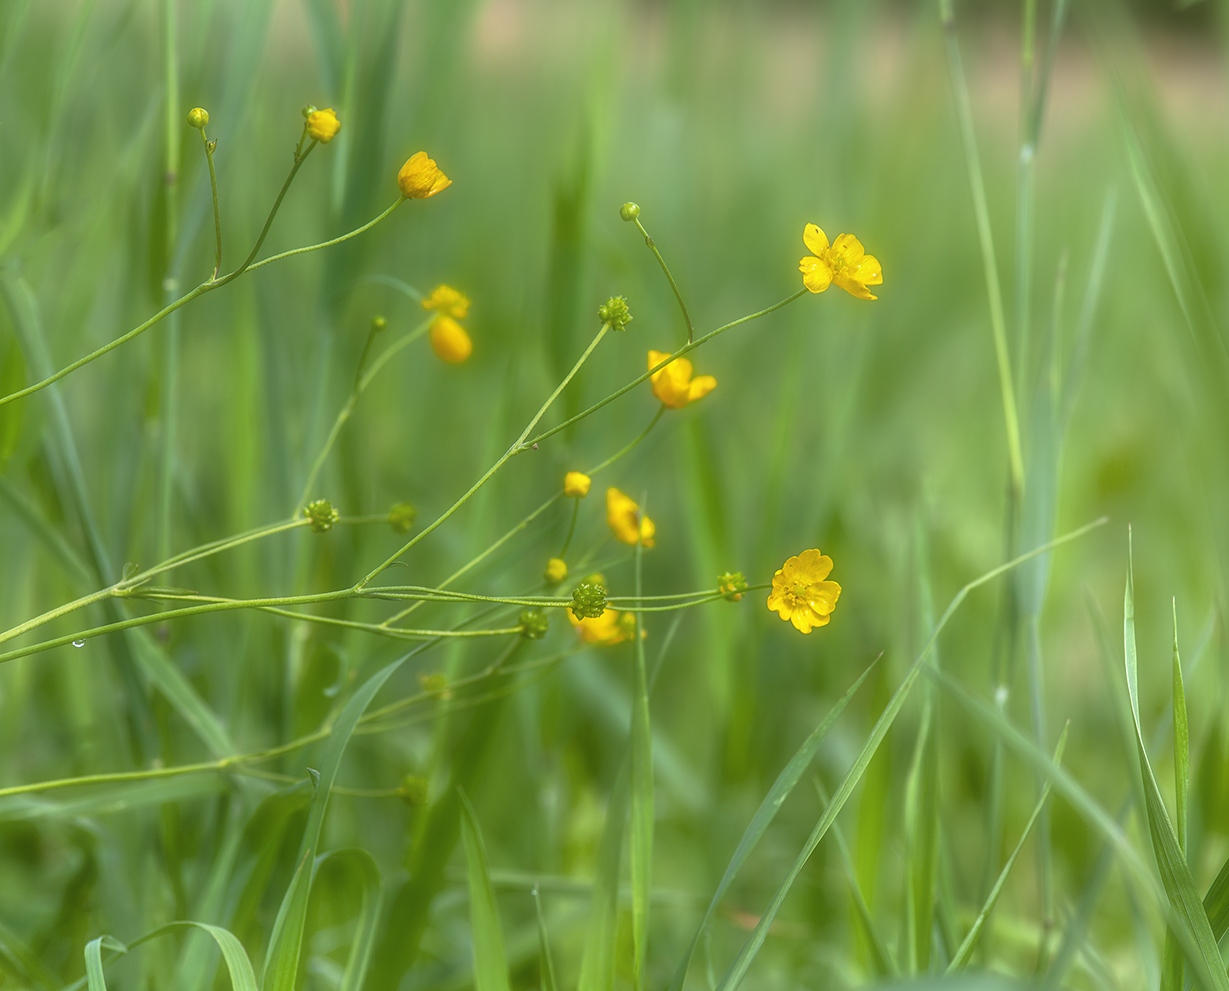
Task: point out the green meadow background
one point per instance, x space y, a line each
874 431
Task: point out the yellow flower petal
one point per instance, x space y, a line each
800 594
816 274
576 484
700 387
448 301
847 251
420 178
626 521
815 239
449 341
323 125
673 385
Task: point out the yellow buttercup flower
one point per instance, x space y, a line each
448 301
556 570
576 484
601 631
625 519
420 178
844 262
323 125
800 592
673 385
449 341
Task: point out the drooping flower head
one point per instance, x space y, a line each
420 178
800 592
447 302
576 484
629 524
673 385
844 262
605 630
449 341
323 125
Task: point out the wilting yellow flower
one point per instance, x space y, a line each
323 125
673 385
801 595
610 628
421 178
629 524
449 341
576 484
556 570
448 301
844 262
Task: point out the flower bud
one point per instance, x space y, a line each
556 570
588 600
576 484
323 125
420 178
198 117
322 515
629 211
378 324
731 585
449 341
413 790
534 624
615 312
402 516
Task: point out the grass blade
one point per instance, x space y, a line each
1188 920
1172 971
490 958
962 955
641 853
597 962
546 962
777 794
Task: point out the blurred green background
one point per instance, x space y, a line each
872 430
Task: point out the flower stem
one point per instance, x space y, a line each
217 215
652 245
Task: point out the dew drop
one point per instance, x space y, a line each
78 643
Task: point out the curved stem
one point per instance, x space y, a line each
325 244
217 215
652 245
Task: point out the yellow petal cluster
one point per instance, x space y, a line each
323 125
673 385
576 484
449 341
447 302
844 262
610 628
800 592
420 178
629 524
556 570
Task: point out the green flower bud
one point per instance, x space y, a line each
378 324
629 211
731 585
322 514
615 312
309 110
414 790
533 624
198 117
402 516
588 600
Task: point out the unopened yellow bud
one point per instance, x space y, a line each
556 571
323 125
420 178
449 341
576 484
198 117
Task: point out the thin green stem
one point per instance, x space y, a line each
217 214
628 447
517 447
56 613
652 245
686 348
964 115
326 244
360 385
567 541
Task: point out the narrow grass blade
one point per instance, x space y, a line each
1172 970
490 958
777 794
881 960
238 966
641 821
546 963
361 867
597 962
921 829
286 942
1188 920
20 961
960 959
